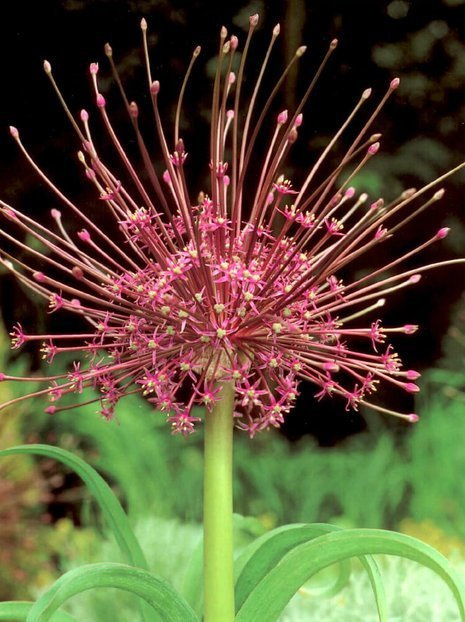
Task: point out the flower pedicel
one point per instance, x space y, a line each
240 285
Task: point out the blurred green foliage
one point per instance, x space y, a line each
24 491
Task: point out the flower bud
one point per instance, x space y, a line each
442 233
282 117
100 100
253 20
133 110
84 235
39 277
77 273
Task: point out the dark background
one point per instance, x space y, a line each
423 126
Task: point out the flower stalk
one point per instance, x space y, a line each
218 508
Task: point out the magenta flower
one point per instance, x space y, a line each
239 284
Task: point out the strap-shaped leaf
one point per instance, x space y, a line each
168 605
268 550
305 560
102 493
18 610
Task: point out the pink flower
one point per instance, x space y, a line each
17 336
241 284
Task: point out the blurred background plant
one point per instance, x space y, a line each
24 493
327 465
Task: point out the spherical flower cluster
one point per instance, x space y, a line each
241 285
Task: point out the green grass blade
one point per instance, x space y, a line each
268 550
168 605
377 585
102 493
17 610
305 560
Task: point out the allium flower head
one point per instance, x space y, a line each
240 283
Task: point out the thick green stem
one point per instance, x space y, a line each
218 508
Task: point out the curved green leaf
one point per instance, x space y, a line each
268 550
18 610
250 549
159 594
332 589
305 560
101 491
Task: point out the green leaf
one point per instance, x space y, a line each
303 561
101 491
328 591
268 550
19 610
167 603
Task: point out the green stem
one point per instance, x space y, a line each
218 509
